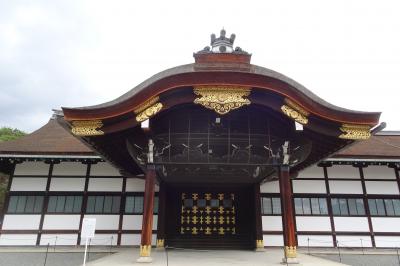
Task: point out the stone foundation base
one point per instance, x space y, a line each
144 260
290 261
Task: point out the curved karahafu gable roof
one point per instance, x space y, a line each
221 79
221 74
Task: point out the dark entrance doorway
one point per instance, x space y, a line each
210 217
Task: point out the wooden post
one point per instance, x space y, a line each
162 197
147 222
258 218
288 215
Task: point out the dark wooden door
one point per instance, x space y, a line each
210 217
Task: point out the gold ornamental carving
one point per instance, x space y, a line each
87 128
148 109
355 132
295 112
290 252
145 250
222 99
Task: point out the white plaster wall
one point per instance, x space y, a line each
105 184
385 224
354 241
130 239
315 241
28 184
61 222
270 187
382 187
345 187
32 168
273 240
62 239
272 223
70 169
312 172
343 171
313 223
134 185
309 186
18 239
102 240
351 224
67 184
134 222
105 221
103 169
137 185
387 241
379 172
21 222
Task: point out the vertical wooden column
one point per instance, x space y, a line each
258 218
162 200
147 222
366 204
287 214
45 202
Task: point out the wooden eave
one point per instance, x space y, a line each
187 76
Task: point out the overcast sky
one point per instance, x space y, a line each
78 53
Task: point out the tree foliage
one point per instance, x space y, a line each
7 133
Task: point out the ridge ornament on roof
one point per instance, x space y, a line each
222 44
222 50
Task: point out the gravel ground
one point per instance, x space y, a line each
38 258
363 260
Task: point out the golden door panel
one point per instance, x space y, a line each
208 214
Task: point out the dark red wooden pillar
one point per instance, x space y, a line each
258 218
287 213
162 200
147 223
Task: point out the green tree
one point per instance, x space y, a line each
7 133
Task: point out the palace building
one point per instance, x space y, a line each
219 153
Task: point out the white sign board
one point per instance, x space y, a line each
88 227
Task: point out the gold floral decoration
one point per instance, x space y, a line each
222 99
355 132
87 128
148 109
295 112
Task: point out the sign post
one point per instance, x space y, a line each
88 229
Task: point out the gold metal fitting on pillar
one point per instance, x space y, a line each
160 243
145 250
259 243
290 252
